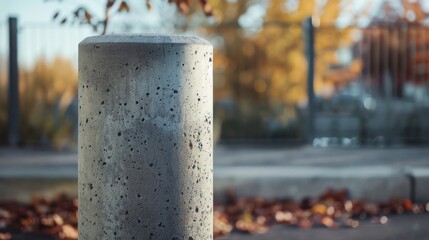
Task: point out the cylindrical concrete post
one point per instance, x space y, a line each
145 138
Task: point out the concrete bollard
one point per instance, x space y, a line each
145 138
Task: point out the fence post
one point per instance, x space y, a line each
308 30
13 96
145 137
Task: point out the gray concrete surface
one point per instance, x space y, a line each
145 137
372 183
419 179
374 173
28 172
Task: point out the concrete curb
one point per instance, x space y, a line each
372 183
375 183
419 182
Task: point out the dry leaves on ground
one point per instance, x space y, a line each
54 217
333 209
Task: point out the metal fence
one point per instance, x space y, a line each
361 85
370 85
387 102
43 108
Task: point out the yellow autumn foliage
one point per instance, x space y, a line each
266 68
46 91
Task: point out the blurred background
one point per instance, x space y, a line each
370 81
318 94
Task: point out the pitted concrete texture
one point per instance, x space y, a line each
145 138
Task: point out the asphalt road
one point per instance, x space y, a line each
399 227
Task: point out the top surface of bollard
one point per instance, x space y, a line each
145 39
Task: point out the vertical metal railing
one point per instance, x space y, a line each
13 96
393 73
309 51
22 46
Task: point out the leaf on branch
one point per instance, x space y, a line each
183 6
77 12
207 9
110 3
124 7
55 15
88 16
148 5
63 21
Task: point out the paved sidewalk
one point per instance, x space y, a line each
372 173
376 174
321 157
255 155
